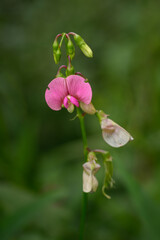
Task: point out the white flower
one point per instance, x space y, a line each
90 182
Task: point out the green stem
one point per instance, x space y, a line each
63 35
85 196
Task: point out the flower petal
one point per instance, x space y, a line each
78 88
56 93
74 101
113 134
87 182
65 102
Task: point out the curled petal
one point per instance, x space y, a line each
74 101
78 88
65 102
56 93
113 134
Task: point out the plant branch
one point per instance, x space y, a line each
85 196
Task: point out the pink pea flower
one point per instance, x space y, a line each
68 92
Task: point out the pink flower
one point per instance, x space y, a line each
68 92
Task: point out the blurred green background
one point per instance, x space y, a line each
41 150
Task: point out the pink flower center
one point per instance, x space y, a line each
70 100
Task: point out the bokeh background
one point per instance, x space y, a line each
41 150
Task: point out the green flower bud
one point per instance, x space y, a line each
83 46
57 55
70 49
55 46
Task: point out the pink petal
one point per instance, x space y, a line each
65 102
74 101
56 93
79 89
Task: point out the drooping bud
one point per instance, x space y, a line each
70 48
56 51
88 108
57 55
90 182
55 45
112 133
83 46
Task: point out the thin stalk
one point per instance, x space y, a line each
85 196
63 35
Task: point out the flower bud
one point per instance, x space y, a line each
112 133
83 46
88 108
55 45
57 55
70 49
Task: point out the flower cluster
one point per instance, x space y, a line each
72 91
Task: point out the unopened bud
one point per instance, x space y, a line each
83 46
88 108
57 55
55 45
70 49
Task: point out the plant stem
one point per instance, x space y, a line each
63 35
85 196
